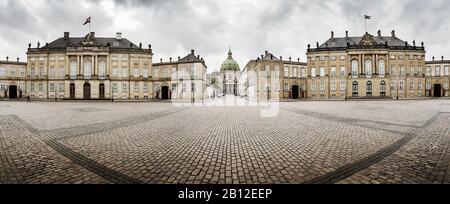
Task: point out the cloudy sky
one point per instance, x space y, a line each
173 27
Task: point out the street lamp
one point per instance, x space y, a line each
268 93
193 89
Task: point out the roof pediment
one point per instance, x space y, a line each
367 39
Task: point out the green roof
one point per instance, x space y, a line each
230 64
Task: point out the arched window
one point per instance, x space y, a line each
368 67
73 69
355 88
382 69
354 67
369 88
87 69
102 69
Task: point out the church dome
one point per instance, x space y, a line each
230 64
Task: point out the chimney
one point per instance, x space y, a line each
18 59
170 59
379 33
346 33
332 34
179 58
290 59
29 45
406 43
140 45
198 56
414 43
433 58
7 58
442 58
393 33
193 52
262 56
298 59
92 35
66 35
317 45
267 52
281 58
38 44
309 46
160 60
118 36
423 44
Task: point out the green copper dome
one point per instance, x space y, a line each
230 64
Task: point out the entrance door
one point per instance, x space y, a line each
295 93
437 90
72 91
101 91
165 93
12 92
86 91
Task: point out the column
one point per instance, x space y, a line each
361 63
107 65
82 65
375 67
78 64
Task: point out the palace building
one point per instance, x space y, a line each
437 78
366 67
269 78
12 78
89 67
182 80
229 76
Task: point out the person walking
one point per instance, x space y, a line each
28 99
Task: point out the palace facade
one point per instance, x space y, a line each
366 67
181 80
90 67
12 78
269 78
438 77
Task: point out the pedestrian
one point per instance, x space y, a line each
28 99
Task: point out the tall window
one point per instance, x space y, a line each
87 69
286 86
124 72
333 86
52 87
342 71
368 68
428 71
382 69
136 87
342 86
145 87
62 72
313 72
322 86
295 72
355 68
437 71
136 72
277 71
369 88
145 73
411 71
303 74
446 70
286 71
383 88
355 88
73 69
402 70
428 85
124 87
114 88
313 86
419 85
102 69
402 85
411 85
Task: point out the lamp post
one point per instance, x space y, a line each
193 89
268 93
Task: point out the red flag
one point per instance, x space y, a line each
88 20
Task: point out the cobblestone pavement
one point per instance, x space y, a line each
307 142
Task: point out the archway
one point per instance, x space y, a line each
101 91
295 92
87 91
165 93
437 90
12 91
72 91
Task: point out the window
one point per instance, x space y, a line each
428 85
114 87
437 71
13 72
41 87
342 86
342 57
277 71
303 74
136 87
383 88
333 71
446 71
355 88
183 87
393 84
333 58
102 69
322 71
419 85
393 70
402 85
313 86
2 87
32 86
322 86
428 71
411 85
124 87
87 69
286 71
146 88
392 57
62 72
295 72
369 88
401 57
136 72
368 68
446 85
22 72
419 70
52 87
322 58
333 86
354 68
402 70
286 86
2 71
41 71
313 72
52 72
411 71
382 68
342 71
277 87
174 87
61 87
145 73
124 72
